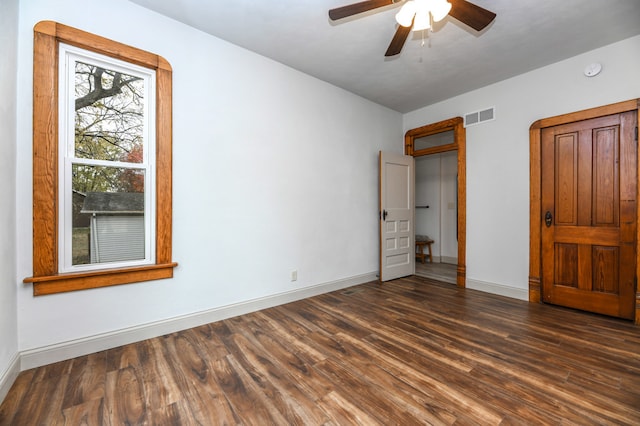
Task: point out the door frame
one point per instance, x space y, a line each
459 136
535 196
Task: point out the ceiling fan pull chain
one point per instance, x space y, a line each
429 30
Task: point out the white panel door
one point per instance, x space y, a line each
397 208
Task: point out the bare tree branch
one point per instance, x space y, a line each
99 91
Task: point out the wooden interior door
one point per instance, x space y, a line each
588 200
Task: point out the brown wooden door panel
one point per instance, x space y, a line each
566 179
589 185
605 266
586 235
604 303
605 177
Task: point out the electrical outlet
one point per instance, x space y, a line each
294 275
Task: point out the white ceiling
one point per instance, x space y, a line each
526 34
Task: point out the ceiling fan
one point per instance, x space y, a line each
418 15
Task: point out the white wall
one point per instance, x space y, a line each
428 194
448 207
273 171
498 152
8 281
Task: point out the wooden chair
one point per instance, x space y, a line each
421 241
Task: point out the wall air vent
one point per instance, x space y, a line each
478 117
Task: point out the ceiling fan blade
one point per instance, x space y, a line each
398 40
470 14
355 8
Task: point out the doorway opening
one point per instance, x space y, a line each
436 214
443 142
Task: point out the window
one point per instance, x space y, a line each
106 179
101 164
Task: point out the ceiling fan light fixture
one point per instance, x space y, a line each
440 9
405 16
420 12
421 22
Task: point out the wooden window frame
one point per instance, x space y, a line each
46 279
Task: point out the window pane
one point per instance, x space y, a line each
109 114
108 214
438 139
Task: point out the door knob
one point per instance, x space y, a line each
384 215
548 218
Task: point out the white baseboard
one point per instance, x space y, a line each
448 259
66 350
9 376
501 290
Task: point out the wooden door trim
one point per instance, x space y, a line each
455 124
535 178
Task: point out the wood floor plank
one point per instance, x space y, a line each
296 343
255 407
280 387
87 413
53 371
86 380
125 397
344 412
14 399
411 351
200 390
379 375
122 357
443 393
176 413
295 367
209 334
367 396
46 407
161 390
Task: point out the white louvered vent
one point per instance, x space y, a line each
478 117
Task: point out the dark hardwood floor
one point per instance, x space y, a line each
411 351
